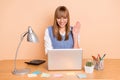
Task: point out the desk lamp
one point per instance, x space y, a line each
31 37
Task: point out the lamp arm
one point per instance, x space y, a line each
22 37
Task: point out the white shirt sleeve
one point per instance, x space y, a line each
47 40
79 39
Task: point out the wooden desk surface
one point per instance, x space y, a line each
111 71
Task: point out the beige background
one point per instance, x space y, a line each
100 26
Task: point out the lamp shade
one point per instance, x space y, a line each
31 36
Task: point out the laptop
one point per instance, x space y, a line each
65 59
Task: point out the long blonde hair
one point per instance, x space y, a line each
61 11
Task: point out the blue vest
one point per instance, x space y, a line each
63 44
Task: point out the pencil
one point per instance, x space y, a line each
103 56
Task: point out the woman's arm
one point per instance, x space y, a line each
75 31
47 41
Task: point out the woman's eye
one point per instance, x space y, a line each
65 17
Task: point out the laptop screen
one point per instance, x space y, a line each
64 59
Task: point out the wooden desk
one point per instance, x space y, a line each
111 71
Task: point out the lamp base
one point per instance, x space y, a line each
21 71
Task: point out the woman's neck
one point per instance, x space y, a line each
62 30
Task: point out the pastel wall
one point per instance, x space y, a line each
100 26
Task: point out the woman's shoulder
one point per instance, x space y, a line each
49 27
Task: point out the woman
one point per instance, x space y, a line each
61 35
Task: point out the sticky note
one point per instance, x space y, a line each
58 75
81 75
36 72
31 75
45 75
70 73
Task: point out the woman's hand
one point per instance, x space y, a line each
76 29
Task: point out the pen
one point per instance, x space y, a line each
103 56
99 56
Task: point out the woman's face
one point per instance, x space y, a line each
62 22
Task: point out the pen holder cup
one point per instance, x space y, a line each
99 65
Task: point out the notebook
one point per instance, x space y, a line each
65 59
